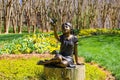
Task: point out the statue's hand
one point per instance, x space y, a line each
53 22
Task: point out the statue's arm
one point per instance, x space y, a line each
53 24
76 52
55 33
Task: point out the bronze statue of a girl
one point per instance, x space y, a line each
68 48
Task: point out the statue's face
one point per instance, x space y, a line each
65 29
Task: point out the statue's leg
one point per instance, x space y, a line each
56 59
62 64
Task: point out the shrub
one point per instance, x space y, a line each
90 32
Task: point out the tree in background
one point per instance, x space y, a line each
0 15
83 14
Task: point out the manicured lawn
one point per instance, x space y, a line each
102 49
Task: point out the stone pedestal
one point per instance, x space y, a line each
54 73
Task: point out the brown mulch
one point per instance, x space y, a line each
47 55
17 56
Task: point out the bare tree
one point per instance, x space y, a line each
1 15
81 13
20 15
114 15
34 10
7 13
78 13
14 15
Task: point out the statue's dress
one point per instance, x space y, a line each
67 48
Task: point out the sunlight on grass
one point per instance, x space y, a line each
104 50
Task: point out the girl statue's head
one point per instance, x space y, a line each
67 28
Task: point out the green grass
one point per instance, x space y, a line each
102 49
10 37
6 38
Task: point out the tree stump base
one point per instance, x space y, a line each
55 73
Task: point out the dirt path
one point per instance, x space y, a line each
17 56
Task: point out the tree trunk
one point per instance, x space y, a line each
14 25
0 21
6 25
7 20
28 25
77 73
28 21
34 28
20 24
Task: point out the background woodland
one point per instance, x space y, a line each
36 14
